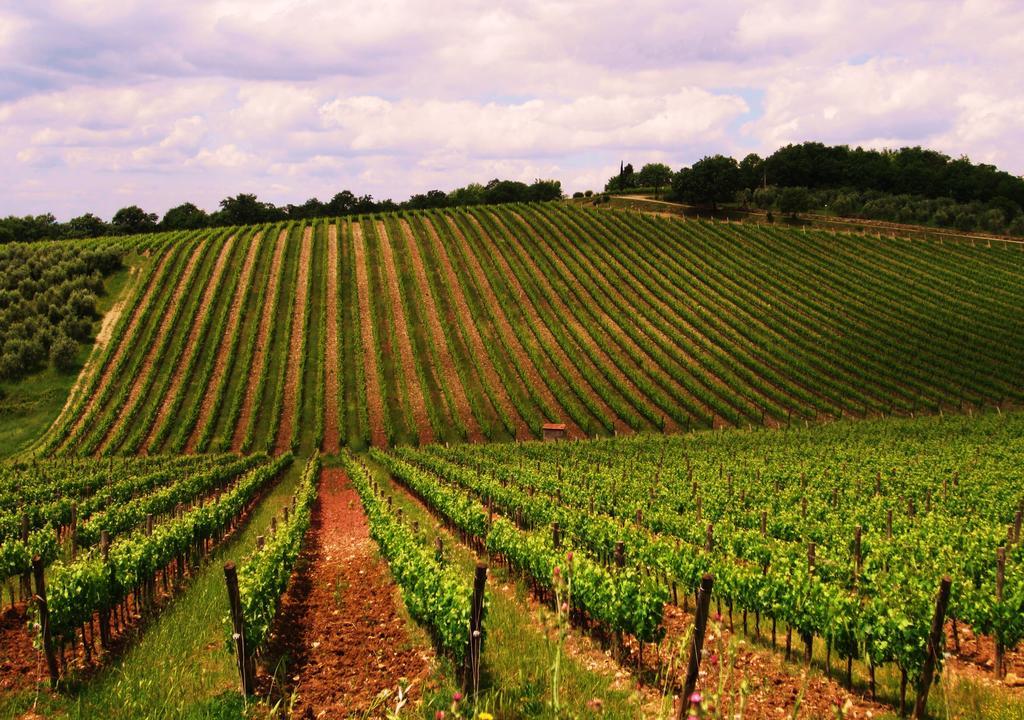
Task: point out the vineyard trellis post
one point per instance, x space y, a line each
476 631
696 644
245 662
1000 664
105 611
934 648
44 620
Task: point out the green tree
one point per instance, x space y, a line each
64 353
85 226
752 171
655 175
246 209
132 220
794 200
710 181
185 217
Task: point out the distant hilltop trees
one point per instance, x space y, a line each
911 185
247 209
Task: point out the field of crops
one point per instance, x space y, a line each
275 467
486 323
840 535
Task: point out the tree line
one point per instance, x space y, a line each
247 209
910 184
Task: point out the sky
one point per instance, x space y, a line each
108 103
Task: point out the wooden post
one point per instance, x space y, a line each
709 538
476 627
697 644
888 524
105 611
620 554
245 662
556 535
44 620
1016 526
1000 664
934 648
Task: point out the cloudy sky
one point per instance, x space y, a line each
105 103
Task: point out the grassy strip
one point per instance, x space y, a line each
354 408
263 575
275 352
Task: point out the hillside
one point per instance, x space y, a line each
486 323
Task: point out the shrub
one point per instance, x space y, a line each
64 353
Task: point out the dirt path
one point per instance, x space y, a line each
221 358
125 341
562 360
374 392
449 372
406 357
491 376
293 374
339 624
191 344
149 359
260 354
21 665
533 375
332 382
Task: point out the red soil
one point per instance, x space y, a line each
149 360
339 624
21 665
191 344
293 374
490 375
406 357
534 377
564 363
221 360
596 347
260 354
332 383
374 394
621 335
449 372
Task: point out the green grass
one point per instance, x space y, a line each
181 666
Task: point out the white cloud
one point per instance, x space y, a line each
291 99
